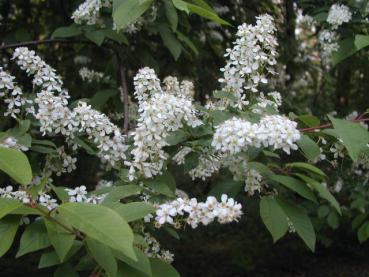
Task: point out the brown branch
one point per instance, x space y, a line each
124 93
328 125
38 42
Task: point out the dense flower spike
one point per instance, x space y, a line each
90 75
89 11
55 117
338 14
161 111
12 94
252 57
195 212
236 135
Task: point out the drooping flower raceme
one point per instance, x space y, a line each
194 212
55 116
236 135
12 94
161 112
338 14
252 57
90 75
89 11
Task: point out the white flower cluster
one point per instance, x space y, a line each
153 250
90 75
43 199
273 99
338 14
252 57
12 94
209 163
236 135
89 11
238 166
179 158
161 111
328 41
253 182
60 163
79 194
11 142
55 117
196 212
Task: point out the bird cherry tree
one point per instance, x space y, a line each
109 229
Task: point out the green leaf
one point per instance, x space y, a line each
227 186
120 192
301 222
206 13
307 167
65 270
333 220
171 14
350 46
96 37
132 211
309 147
50 258
100 223
170 41
323 191
363 233
103 255
142 264
102 97
8 205
127 11
176 137
162 269
187 41
261 168
295 185
8 229
14 163
220 94
34 238
66 32
60 239
201 8
309 120
323 211
164 184
181 5
220 116
191 161
116 36
273 217
354 136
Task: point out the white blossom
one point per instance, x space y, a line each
252 57
77 194
90 75
338 14
236 135
161 112
89 11
195 212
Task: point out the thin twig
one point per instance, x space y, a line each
46 215
328 125
124 92
46 41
